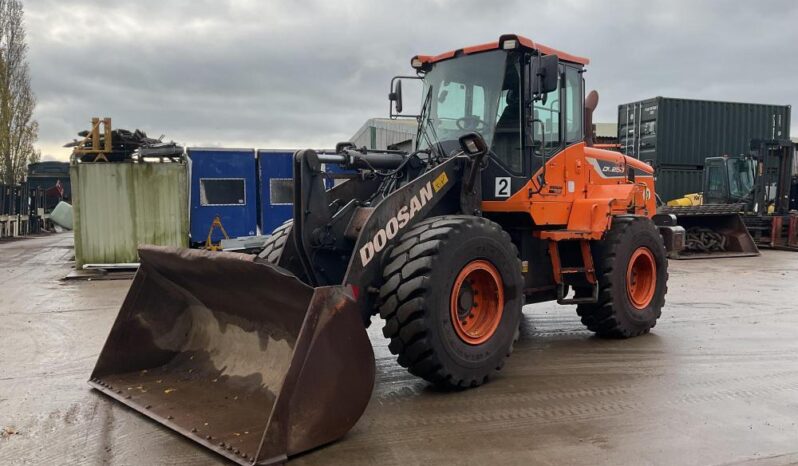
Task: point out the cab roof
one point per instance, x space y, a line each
521 41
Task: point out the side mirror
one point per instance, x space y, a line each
396 96
544 74
395 103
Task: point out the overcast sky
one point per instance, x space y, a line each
304 73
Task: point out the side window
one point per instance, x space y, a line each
573 106
715 178
281 191
548 113
222 191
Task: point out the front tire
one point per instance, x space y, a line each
451 300
274 246
632 272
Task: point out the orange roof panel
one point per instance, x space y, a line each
523 41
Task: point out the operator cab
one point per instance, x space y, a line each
525 99
728 180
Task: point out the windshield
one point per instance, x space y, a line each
474 93
741 177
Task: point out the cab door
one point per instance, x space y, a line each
554 123
507 169
716 183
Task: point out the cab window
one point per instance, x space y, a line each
507 144
451 100
574 119
547 126
715 177
458 100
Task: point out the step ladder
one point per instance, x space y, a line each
555 237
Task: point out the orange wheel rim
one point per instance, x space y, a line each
641 277
477 302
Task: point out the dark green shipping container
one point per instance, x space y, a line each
673 183
676 135
681 133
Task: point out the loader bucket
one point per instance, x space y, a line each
714 236
237 355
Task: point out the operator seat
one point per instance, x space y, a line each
507 139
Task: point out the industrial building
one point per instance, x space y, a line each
385 133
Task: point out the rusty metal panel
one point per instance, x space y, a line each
119 206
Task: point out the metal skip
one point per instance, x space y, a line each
237 355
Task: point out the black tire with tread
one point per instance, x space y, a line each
274 245
614 316
418 276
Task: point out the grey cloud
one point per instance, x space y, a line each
308 73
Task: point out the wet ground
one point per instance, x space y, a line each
716 382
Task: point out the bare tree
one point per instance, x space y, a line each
18 129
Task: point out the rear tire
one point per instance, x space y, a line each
632 271
451 342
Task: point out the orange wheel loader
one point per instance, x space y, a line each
503 202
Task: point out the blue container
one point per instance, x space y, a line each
336 174
276 186
223 184
275 175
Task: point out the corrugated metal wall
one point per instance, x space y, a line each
676 135
671 132
673 183
119 206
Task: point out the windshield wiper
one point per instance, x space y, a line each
425 123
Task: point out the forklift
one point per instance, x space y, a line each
747 202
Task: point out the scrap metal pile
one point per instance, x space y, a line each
125 145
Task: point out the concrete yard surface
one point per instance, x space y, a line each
716 382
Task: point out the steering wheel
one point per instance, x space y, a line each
471 123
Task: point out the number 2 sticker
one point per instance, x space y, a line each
502 186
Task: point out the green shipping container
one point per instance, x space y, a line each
681 133
119 206
673 183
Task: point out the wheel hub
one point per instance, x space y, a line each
477 302
641 277
465 301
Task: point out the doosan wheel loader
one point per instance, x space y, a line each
503 202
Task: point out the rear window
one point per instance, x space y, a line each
222 191
281 191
